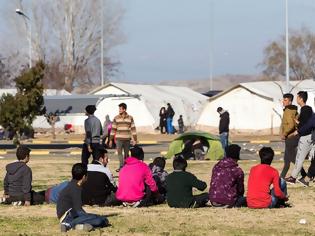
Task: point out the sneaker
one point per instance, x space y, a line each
18 203
64 227
304 182
84 227
2 200
290 180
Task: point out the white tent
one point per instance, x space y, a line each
145 108
253 107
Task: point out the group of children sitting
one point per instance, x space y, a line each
142 185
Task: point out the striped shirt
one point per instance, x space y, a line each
123 127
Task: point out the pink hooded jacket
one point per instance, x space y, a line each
132 179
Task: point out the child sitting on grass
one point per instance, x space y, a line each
261 177
18 181
159 174
179 186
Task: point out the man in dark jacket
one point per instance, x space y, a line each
100 187
93 133
18 181
224 127
179 186
305 141
227 181
287 133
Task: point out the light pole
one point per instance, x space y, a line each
287 65
21 13
102 44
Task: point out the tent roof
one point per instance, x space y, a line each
272 90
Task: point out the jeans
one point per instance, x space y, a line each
290 150
224 138
304 147
74 218
86 154
274 198
122 145
169 125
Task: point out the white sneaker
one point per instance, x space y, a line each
84 227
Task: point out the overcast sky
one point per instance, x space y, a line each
171 39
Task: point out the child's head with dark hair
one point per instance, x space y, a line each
266 155
79 170
90 109
179 163
160 162
22 152
137 152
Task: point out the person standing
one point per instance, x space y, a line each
163 120
107 127
305 141
124 129
287 133
180 124
224 127
169 119
93 133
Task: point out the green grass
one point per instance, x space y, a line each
161 220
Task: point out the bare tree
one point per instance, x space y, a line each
301 55
66 34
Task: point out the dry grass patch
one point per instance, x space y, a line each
160 220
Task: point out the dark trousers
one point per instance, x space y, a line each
311 169
86 154
200 200
240 202
291 144
37 198
74 218
122 145
163 127
111 200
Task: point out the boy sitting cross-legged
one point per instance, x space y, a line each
261 177
179 186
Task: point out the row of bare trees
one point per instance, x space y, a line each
66 35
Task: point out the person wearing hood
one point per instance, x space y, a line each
227 181
288 133
137 187
18 181
224 127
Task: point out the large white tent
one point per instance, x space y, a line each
146 106
254 106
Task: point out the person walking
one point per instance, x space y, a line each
224 127
163 120
288 133
124 129
93 133
305 141
169 119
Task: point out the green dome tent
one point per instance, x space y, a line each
215 151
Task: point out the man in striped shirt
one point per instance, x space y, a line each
124 130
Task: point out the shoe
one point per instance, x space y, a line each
136 204
18 203
64 227
2 200
118 169
290 180
304 182
84 227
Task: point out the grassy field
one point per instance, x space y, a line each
160 220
